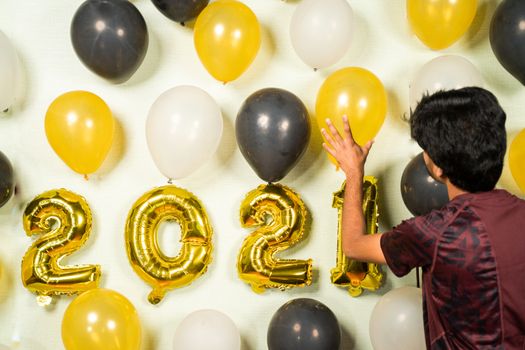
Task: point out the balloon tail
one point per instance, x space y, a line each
156 296
315 69
6 110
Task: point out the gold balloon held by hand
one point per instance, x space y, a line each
356 93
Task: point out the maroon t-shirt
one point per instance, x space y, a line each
472 253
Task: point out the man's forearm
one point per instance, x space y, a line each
357 244
353 220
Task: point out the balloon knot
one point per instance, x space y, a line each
170 181
86 177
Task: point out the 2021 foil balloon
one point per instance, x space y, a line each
63 220
507 34
517 159
7 180
180 10
79 127
183 130
305 324
439 23
420 192
349 273
101 319
272 130
163 273
110 38
9 73
227 37
321 31
256 262
356 93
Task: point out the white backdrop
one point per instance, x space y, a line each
382 43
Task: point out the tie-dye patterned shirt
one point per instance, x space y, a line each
472 253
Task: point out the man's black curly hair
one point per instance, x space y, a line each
463 132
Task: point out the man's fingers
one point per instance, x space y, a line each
329 149
366 148
329 139
348 130
335 134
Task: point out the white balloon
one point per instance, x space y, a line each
443 73
183 130
397 321
9 73
205 330
321 31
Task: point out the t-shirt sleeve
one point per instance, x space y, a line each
411 243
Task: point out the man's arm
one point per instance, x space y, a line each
351 158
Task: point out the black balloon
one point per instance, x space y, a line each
180 10
507 37
272 130
421 193
110 37
304 324
7 181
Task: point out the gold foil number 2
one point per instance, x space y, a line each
281 215
354 274
63 218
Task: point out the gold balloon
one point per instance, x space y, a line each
163 273
439 23
79 127
281 215
101 319
517 159
227 37
356 93
347 272
63 219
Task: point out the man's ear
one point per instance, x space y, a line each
438 172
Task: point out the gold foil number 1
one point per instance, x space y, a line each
355 274
63 218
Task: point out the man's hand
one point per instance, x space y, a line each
350 156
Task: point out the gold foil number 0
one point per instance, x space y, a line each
163 273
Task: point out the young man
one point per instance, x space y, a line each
472 251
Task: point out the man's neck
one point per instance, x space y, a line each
452 190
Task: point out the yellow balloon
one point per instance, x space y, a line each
517 159
357 275
80 127
62 219
439 23
163 273
227 37
101 319
281 217
356 93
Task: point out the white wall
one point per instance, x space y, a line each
383 44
